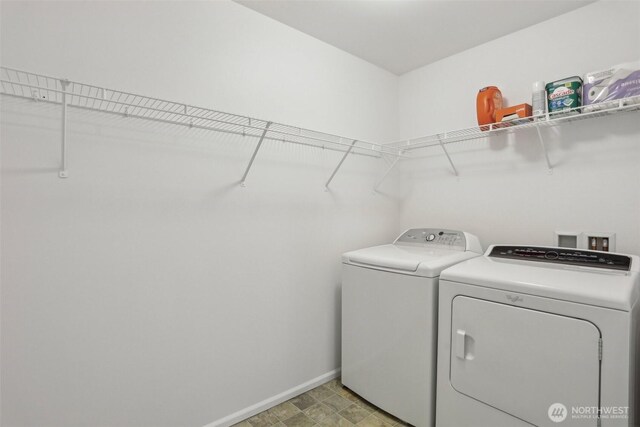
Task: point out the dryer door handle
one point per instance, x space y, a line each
460 344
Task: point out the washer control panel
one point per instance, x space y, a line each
567 256
434 237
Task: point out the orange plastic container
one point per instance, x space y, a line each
511 113
488 101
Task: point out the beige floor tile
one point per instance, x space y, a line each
354 413
284 411
366 405
303 401
299 420
337 402
349 395
373 421
320 393
263 419
328 405
334 385
385 416
318 412
335 420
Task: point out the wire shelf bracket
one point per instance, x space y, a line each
446 153
335 171
386 173
544 150
63 173
255 153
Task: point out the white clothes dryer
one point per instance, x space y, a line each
539 336
389 319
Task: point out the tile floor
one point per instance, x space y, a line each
328 405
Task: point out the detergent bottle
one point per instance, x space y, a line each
488 101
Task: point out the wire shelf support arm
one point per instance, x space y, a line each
335 171
63 173
255 153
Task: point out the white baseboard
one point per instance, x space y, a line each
245 413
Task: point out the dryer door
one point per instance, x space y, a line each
522 361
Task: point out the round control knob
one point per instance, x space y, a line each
551 255
430 237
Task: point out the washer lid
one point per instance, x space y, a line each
594 286
418 261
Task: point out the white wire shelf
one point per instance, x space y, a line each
80 95
42 88
537 122
533 122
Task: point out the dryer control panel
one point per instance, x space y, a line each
567 256
451 239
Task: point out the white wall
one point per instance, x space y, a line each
504 193
216 54
149 289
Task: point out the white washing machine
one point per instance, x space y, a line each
539 336
389 319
